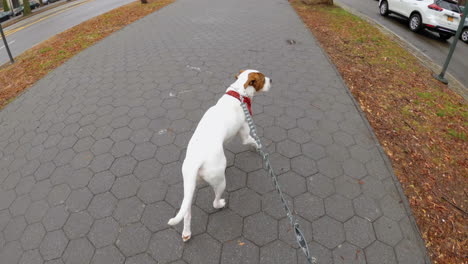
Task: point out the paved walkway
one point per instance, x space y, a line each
91 155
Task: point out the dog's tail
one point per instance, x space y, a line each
190 173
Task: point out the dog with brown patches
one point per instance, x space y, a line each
205 157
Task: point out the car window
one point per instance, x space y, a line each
447 5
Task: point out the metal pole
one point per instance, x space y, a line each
6 44
441 76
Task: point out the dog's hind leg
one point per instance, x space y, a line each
187 233
218 190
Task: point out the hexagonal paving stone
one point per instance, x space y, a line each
288 148
129 210
167 154
244 202
260 181
123 166
379 253
303 166
11 252
53 244
101 182
59 194
78 225
248 161
103 232
148 169
156 215
102 162
144 151
391 208
36 211
79 178
272 205
313 151
122 148
309 206
235 179
274 133
277 252
102 205
339 207
125 187
140 259
20 205
108 255
32 236
82 160
55 218
354 168
171 173
40 190
348 254
260 228
225 225
359 232
78 251
292 184
133 239
6 198
367 208
79 200
408 252
202 249
14 229
330 168
320 185
328 232
388 231
347 187
166 246
239 251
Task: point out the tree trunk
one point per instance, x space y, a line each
144 1
318 2
27 8
5 6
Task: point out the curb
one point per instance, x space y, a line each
454 84
388 164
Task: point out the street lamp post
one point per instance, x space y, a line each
441 76
6 44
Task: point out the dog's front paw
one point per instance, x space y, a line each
219 204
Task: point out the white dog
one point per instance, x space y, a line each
205 157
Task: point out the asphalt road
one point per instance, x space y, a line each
27 33
425 41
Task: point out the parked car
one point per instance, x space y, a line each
464 33
4 16
34 4
17 11
441 16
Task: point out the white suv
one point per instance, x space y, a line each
442 16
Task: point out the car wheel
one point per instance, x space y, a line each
415 22
443 36
464 35
384 8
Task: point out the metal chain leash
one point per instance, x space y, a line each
266 159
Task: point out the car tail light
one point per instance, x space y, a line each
435 7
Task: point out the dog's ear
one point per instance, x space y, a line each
237 76
256 79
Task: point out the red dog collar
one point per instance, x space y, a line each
246 99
